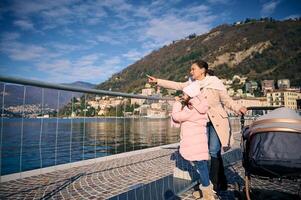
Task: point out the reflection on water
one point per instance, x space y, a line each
48 142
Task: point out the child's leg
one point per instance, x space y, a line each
206 188
202 169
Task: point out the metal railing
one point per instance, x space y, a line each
28 143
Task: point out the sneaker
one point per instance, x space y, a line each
208 193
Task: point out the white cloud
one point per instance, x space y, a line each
133 55
52 14
9 36
114 61
56 66
19 51
107 39
58 12
30 7
62 47
164 30
269 8
292 16
218 1
24 24
24 52
85 68
77 70
87 60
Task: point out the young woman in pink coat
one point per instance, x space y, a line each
194 143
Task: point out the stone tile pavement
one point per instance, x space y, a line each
260 189
101 180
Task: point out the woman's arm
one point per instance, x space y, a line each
166 83
171 84
227 101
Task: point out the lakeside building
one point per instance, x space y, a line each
287 98
248 102
267 85
251 86
252 101
283 83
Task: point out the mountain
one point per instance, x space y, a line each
33 95
258 49
81 84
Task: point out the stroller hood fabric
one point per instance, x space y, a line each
279 118
281 113
273 145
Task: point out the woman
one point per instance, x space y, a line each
218 128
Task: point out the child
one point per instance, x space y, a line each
194 142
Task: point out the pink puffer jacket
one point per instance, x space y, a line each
194 142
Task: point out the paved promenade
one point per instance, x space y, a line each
110 177
101 180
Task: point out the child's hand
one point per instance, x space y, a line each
177 98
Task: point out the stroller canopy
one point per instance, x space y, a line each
280 118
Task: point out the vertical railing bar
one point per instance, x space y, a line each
106 136
84 134
166 160
71 131
96 132
141 143
41 131
116 126
57 127
2 121
56 133
124 135
133 141
22 129
140 127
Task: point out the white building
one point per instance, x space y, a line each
286 98
283 83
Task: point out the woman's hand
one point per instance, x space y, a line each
243 110
152 79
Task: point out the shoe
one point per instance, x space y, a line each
208 193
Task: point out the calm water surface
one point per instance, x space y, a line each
35 143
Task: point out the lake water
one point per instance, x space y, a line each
36 143
48 142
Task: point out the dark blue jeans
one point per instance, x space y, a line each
202 169
214 143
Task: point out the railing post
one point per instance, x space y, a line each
1 132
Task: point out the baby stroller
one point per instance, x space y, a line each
271 147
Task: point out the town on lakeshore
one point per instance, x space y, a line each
277 93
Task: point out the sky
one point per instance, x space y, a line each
90 40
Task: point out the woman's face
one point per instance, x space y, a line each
196 72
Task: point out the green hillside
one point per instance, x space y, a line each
258 49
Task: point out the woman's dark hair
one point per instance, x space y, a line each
202 64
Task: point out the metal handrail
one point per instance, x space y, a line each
43 84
